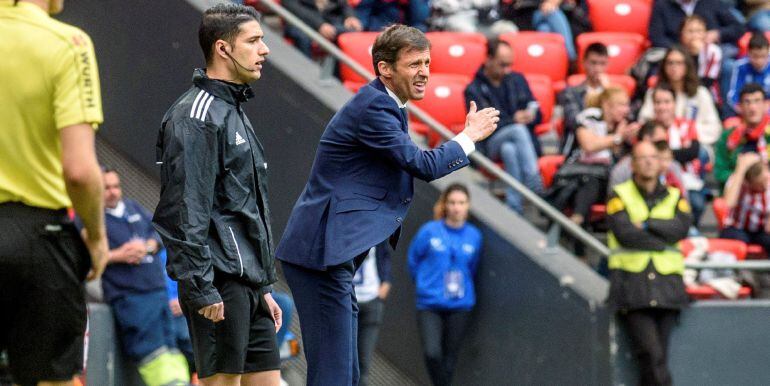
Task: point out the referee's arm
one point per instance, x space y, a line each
83 181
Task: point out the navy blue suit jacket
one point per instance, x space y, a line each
360 186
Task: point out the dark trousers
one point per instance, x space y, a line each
649 330
328 313
369 322
760 237
442 333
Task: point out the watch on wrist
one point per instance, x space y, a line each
617 139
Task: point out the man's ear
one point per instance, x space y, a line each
386 70
220 48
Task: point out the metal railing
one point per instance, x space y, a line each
560 221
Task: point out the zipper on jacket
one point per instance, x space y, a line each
240 260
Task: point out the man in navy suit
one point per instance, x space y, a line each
357 196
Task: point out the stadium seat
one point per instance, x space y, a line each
734 247
445 102
538 53
620 15
542 89
624 49
743 43
549 165
754 251
357 45
625 81
353 86
456 52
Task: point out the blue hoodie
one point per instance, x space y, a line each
436 250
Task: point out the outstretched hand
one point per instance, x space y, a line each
482 123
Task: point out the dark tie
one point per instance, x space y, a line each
403 114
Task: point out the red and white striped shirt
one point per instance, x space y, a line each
750 214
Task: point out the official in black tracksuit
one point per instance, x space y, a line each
213 214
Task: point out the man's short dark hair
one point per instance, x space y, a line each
596 49
390 42
751 88
494 44
223 21
663 87
107 169
647 130
758 41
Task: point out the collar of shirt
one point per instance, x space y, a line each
231 93
395 98
118 211
687 6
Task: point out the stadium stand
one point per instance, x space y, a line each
456 52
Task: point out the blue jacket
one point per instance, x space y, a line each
436 250
375 15
120 278
743 74
361 183
667 17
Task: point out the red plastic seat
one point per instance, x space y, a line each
357 45
538 53
549 165
542 89
445 102
620 15
624 49
743 43
625 81
736 247
754 251
456 52
353 86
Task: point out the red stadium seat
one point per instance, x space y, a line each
456 52
542 89
620 15
549 165
357 45
734 247
353 86
445 102
743 43
538 53
754 251
625 81
720 211
624 48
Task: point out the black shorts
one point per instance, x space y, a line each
43 262
242 343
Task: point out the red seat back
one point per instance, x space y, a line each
720 211
620 15
542 89
735 247
549 165
445 102
456 52
538 53
624 49
357 45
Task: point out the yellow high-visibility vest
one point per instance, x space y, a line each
668 261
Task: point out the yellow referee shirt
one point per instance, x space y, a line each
48 81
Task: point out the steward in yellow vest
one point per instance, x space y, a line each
647 220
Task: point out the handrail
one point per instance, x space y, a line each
560 219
